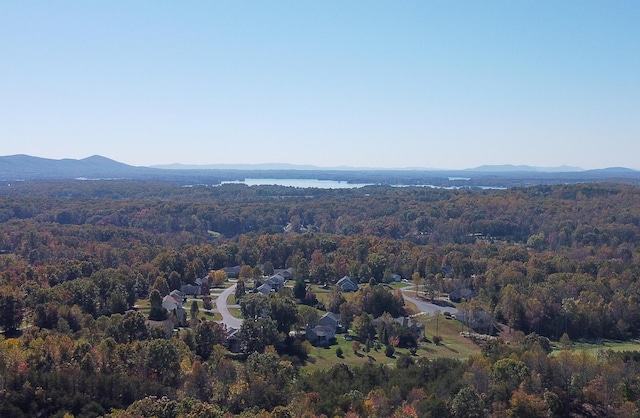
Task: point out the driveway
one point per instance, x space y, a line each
221 303
427 307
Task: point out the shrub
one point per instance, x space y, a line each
339 352
389 351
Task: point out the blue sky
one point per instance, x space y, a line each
441 84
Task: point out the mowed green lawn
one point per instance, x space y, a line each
594 348
144 307
452 346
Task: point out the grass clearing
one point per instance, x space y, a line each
202 314
452 346
605 345
236 312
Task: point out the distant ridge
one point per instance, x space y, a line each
24 167
273 166
285 166
264 166
613 170
525 168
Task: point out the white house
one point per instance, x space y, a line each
170 303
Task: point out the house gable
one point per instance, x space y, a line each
330 319
347 284
265 289
170 303
320 334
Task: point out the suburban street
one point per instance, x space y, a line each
426 306
232 322
221 304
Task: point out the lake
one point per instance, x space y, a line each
300 183
336 184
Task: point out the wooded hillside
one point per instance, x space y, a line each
75 256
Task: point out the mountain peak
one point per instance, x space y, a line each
26 167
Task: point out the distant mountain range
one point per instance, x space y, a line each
25 167
275 166
265 166
525 169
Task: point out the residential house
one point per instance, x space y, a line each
170 303
321 334
272 284
459 295
167 325
173 305
177 295
396 278
328 325
232 342
202 281
190 289
265 289
286 273
232 271
417 328
333 320
276 281
477 319
347 284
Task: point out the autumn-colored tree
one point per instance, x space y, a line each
467 404
218 277
307 316
161 286
527 405
364 327
207 334
246 272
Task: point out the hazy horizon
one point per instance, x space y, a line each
332 84
285 166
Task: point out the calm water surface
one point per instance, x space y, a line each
301 183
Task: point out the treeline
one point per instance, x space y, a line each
567 216
116 367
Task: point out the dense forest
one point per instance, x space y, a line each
548 263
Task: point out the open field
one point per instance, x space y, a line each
452 346
594 348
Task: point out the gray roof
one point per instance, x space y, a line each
347 282
265 288
323 331
190 289
331 316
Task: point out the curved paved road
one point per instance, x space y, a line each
232 322
426 306
221 303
